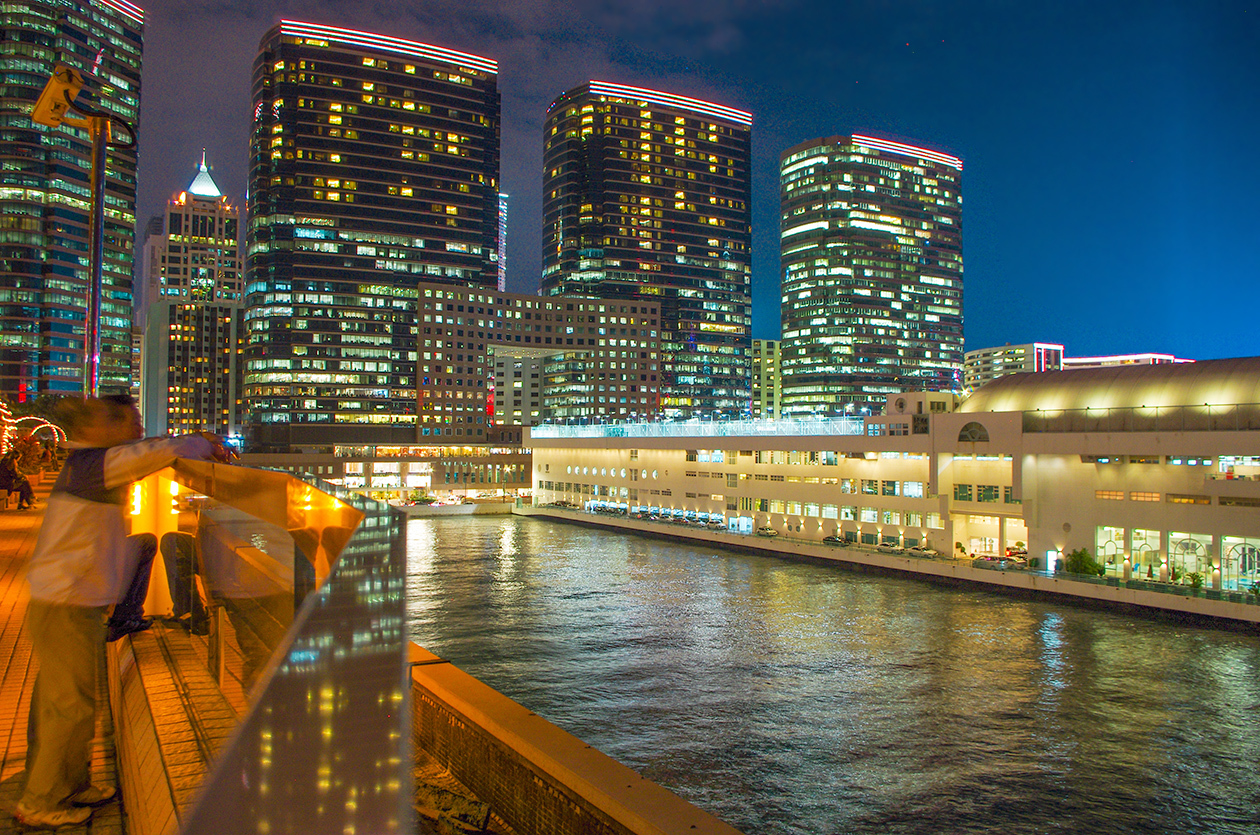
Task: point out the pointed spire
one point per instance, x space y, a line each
203 184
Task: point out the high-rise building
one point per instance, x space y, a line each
191 366
45 187
375 164
871 258
646 196
986 364
767 379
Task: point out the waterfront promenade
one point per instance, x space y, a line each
18 530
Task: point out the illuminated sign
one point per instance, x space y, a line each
370 40
907 150
706 108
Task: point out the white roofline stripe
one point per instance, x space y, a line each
907 150
130 9
671 100
371 40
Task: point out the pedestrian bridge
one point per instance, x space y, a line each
278 692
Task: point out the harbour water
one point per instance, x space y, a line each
798 698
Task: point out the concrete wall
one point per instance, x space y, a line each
538 778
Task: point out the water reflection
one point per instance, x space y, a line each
793 698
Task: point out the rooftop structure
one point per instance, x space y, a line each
1121 359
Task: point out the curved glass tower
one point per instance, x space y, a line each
646 196
871 249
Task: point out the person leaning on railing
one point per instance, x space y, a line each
82 565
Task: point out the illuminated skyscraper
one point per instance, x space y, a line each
194 324
646 196
375 164
45 187
871 248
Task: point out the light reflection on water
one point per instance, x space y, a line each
792 698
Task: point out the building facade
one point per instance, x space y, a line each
1050 463
503 231
646 196
45 196
987 364
599 358
375 165
517 390
872 273
193 365
767 381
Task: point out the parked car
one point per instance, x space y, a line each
716 523
836 540
922 551
766 530
889 548
1017 552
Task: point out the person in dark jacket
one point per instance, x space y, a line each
13 481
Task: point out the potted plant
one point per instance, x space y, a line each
1195 579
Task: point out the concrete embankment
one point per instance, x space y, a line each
1179 602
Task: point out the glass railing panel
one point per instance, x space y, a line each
296 590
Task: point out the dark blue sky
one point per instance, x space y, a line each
1111 187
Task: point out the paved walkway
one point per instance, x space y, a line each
18 530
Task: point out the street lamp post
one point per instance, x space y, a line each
55 107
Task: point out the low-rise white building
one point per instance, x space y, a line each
1154 470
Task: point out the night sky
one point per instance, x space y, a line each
1111 185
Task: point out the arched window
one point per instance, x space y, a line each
973 432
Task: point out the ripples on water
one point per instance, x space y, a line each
795 698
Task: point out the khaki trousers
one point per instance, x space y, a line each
68 642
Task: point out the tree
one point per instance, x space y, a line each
1081 561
